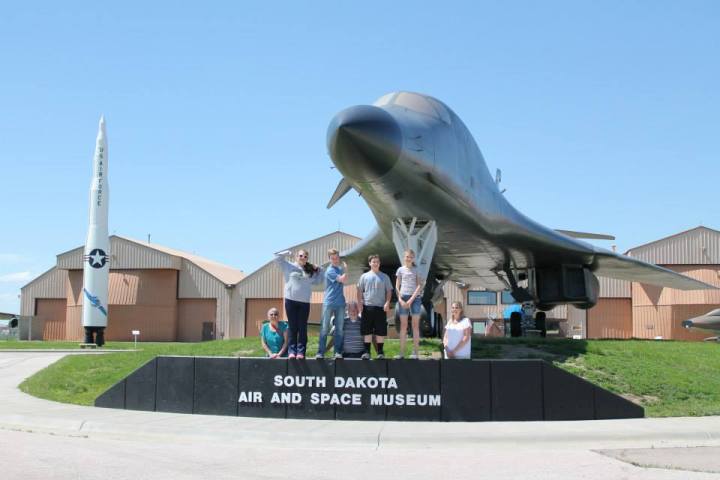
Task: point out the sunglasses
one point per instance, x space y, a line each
302 256
274 314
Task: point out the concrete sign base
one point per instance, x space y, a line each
397 390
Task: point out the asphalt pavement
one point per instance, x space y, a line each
43 439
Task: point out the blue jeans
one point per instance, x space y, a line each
297 314
338 338
415 307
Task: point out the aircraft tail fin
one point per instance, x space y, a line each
614 265
342 188
591 236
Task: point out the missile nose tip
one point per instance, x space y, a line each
364 142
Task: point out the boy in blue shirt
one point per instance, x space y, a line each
333 304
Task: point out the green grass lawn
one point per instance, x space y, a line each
668 378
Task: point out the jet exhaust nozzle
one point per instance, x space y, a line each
364 142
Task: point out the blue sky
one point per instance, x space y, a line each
603 116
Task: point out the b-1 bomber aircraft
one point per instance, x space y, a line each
418 168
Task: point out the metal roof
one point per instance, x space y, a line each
167 258
697 246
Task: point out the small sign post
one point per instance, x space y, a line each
135 334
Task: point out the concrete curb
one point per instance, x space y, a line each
22 412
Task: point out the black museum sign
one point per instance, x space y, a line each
398 390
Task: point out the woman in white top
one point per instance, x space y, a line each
458 333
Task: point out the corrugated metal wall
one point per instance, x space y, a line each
257 309
194 282
142 300
51 312
652 295
666 321
652 321
613 288
123 255
73 323
192 313
157 323
699 246
576 323
610 318
50 284
142 287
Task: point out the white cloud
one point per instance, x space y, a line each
15 277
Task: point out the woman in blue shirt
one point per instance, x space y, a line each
273 335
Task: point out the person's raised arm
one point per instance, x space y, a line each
282 262
342 278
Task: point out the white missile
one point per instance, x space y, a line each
96 255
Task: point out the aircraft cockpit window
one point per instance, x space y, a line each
384 100
422 104
416 103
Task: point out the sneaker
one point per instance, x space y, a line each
379 356
291 356
319 356
300 356
398 357
413 356
338 356
365 356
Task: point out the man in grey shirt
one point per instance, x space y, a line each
374 291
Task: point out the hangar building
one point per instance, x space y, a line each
175 296
166 294
659 312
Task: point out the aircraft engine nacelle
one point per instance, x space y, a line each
568 284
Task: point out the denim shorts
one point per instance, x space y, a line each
415 306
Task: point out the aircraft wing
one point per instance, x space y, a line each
614 265
356 257
461 267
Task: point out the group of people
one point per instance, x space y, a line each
358 325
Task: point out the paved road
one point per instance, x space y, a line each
48 440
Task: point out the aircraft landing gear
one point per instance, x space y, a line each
540 323
522 323
419 236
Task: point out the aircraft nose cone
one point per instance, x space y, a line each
364 142
687 324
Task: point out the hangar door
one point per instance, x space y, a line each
256 313
610 318
196 319
50 313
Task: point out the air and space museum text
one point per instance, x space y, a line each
351 397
